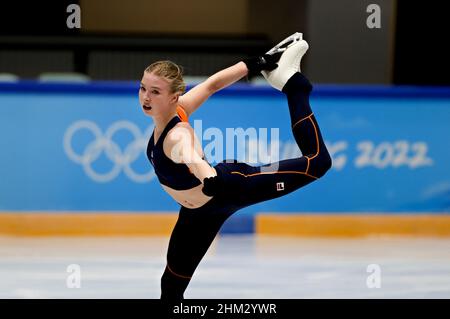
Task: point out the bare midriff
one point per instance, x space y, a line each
190 198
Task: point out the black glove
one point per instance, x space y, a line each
212 185
265 62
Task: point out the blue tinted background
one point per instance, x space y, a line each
389 145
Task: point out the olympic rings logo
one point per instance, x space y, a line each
104 143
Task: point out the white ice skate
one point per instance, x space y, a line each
293 48
283 45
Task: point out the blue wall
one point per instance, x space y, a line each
390 147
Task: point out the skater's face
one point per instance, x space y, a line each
155 95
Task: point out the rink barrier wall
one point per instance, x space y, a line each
272 224
352 225
86 224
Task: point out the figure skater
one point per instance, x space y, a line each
208 195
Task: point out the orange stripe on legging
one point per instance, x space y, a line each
174 273
307 166
318 145
265 173
317 140
302 120
308 158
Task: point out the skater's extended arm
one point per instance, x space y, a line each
201 92
250 66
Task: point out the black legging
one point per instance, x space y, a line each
246 185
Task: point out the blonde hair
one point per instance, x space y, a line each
171 72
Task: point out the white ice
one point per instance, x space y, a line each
234 267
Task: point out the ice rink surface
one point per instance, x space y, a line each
235 267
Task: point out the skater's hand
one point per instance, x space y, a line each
211 185
265 62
